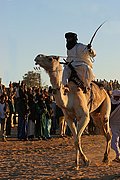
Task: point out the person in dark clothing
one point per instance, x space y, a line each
22 113
31 117
49 112
39 109
8 122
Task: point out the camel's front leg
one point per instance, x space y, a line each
73 129
81 125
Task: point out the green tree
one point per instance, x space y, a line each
32 79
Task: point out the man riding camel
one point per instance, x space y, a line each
80 56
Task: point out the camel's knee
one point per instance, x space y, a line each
86 114
76 143
84 119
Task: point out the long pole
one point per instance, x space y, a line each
37 69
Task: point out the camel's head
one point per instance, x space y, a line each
47 62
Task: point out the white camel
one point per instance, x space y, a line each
79 105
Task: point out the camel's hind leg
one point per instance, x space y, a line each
105 114
108 136
104 118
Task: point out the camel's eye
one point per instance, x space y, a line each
41 55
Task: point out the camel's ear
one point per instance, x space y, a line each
57 58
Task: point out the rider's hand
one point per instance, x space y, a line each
89 46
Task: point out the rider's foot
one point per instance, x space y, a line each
66 90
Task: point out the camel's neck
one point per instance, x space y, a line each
55 77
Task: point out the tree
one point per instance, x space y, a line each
32 79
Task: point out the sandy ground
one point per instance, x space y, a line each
54 159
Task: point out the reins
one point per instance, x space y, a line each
91 97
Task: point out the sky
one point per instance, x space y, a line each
32 27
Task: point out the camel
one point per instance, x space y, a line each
77 104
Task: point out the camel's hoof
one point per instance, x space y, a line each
105 160
87 163
76 168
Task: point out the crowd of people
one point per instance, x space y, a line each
36 110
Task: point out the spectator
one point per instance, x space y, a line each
31 117
9 116
22 113
49 112
3 113
39 109
61 121
54 124
1 91
115 123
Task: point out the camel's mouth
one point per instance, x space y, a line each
36 63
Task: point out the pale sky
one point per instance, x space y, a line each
31 27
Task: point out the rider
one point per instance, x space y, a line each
81 57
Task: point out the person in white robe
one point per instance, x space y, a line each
81 57
115 123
